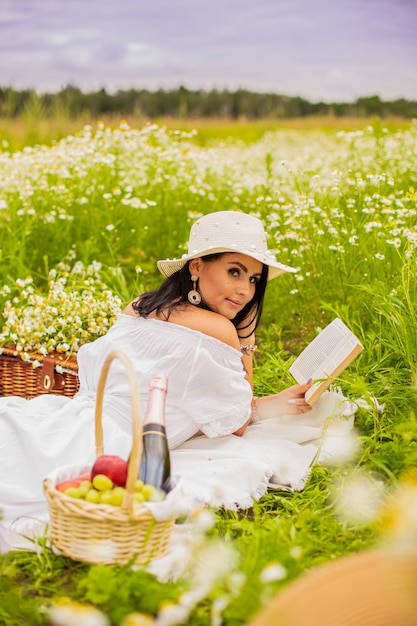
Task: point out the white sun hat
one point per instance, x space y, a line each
227 231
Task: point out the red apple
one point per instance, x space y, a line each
112 466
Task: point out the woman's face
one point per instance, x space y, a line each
227 283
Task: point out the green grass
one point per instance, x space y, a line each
339 204
33 129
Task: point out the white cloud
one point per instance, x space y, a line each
322 50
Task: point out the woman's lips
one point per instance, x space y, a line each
234 303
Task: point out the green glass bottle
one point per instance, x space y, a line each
155 466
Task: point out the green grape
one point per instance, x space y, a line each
102 482
92 496
73 492
105 497
148 491
84 488
117 496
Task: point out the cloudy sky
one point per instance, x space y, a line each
332 50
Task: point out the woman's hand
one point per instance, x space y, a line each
290 401
295 398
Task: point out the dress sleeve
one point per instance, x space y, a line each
218 396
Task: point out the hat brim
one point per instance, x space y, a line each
167 267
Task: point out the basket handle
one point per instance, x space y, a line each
137 446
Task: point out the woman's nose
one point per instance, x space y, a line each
244 287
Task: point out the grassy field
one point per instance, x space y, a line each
98 207
30 129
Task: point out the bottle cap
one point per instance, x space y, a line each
159 380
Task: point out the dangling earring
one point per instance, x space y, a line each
193 295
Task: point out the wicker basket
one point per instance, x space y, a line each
57 374
101 533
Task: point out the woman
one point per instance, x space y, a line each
199 327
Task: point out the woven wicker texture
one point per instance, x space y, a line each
101 533
24 379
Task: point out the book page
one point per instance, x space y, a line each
312 358
326 357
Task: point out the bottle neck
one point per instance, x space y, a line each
155 412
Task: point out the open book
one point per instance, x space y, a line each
325 358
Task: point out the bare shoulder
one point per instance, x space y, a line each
129 310
209 323
206 322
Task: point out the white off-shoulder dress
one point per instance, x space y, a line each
208 399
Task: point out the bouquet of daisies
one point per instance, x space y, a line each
77 308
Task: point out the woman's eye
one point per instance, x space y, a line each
234 272
254 280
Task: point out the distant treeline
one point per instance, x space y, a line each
184 103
